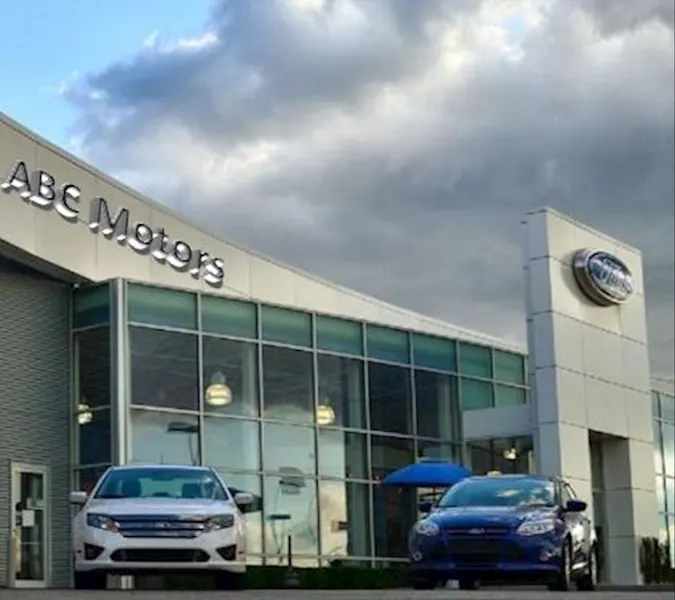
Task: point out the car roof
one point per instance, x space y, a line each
163 466
510 476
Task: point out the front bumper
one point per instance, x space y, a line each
513 557
101 551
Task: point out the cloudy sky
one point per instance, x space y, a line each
392 146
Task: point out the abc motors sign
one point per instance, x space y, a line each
603 277
42 190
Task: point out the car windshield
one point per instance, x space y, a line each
499 491
165 482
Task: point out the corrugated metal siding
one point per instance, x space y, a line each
35 399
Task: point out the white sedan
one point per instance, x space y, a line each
158 519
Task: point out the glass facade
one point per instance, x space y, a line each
663 411
308 412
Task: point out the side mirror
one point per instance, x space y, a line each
78 498
244 499
425 506
576 506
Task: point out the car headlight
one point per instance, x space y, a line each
219 522
427 528
103 522
538 527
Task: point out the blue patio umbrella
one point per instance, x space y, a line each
428 473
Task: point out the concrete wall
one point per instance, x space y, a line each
589 372
35 399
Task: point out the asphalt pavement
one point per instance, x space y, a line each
443 594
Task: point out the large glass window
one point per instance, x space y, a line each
232 444
668 433
658 447
288 449
164 369
229 317
345 518
93 433
343 454
670 494
434 352
667 407
476 394
286 326
341 393
439 451
506 395
475 360
437 405
158 306
92 349
390 398
291 509
91 306
339 335
389 454
288 385
656 411
394 513
509 367
387 344
230 377
164 438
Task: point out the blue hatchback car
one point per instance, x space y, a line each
506 528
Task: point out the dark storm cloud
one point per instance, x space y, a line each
395 146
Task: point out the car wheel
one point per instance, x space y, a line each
563 581
89 581
589 581
467 583
424 583
230 581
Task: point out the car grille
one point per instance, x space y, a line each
484 551
159 555
477 530
159 526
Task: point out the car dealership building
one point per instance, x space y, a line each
129 334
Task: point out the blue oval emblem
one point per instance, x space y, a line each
603 277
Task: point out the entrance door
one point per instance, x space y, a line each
30 514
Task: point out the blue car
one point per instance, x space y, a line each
506 528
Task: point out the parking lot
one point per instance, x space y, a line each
488 594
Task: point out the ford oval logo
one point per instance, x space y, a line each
603 277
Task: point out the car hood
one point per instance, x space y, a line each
496 516
160 506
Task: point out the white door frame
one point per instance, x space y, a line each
15 489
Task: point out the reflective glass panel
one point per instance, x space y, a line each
505 395
475 360
439 450
390 398
670 494
658 447
661 494
343 454
437 404
389 454
667 407
341 392
229 317
345 518
164 438
339 335
655 405
288 449
164 369
513 455
232 443
288 385
509 367
159 306
668 433
387 344
286 326
476 395
244 482
93 435
91 306
480 456
230 377
291 509
92 348
394 513
434 352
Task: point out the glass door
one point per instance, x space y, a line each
30 512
